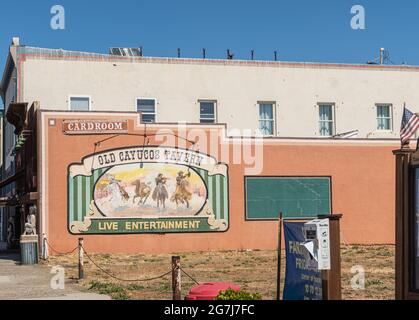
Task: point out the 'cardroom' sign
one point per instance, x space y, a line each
74 127
148 190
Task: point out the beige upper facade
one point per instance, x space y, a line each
295 90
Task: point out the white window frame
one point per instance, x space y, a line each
155 107
79 96
390 105
215 102
274 127
333 105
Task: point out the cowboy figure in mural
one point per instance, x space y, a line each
182 194
118 192
160 194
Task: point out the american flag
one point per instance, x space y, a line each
410 124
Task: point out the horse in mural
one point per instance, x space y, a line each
182 195
160 194
142 192
123 192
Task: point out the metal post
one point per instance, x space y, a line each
278 283
176 278
81 262
332 283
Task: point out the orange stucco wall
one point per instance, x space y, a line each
363 184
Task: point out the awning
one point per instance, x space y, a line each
11 179
29 197
16 200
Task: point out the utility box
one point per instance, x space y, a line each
317 242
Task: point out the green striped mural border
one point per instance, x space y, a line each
217 187
80 194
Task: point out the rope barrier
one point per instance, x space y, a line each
115 277
58 252
124 280
189 276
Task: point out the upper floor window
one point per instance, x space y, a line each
207 111
267 118
384 117
79 103
326 120
147 107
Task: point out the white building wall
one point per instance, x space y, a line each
114 86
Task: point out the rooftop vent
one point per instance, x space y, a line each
126 52
384 58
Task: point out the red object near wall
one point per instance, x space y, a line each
210 290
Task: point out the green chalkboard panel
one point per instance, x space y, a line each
295 197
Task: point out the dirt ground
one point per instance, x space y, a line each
254 271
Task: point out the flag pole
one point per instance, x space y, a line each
417 141
279 251
401 127
403 145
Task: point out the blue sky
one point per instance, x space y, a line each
300 30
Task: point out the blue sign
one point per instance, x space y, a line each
301 282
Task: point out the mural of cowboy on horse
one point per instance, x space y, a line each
160 194
155 190
182 195
142 191
119 194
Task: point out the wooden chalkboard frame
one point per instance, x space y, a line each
406 161
411 218
247 219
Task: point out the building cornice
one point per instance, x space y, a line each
58 54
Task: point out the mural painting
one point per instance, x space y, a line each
148 190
